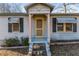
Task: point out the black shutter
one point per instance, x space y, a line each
9 27
54 24
75 27
21 25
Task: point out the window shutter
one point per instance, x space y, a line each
9 27
74 27
21 25
54 24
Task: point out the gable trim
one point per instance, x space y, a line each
31 5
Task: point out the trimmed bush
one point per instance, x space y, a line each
12 42
25 41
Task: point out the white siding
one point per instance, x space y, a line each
4 28
55 36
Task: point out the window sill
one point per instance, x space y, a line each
15 32
64 32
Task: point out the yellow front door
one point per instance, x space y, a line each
39 27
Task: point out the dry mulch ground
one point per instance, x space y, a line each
65 50
56 50
14 52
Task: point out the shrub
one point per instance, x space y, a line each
25 41
12 42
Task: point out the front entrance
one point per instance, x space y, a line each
39 27
39 32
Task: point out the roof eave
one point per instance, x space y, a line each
64 14
13 14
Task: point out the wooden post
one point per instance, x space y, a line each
64 27
29 28
48 24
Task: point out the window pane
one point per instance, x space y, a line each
60 27
39 23
15 27
68 26
39 32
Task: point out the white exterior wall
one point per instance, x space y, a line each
38 9
4 28
54 35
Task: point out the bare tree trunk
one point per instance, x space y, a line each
65 8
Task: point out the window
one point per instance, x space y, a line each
63 27
59 26
16 25
69 27
39 23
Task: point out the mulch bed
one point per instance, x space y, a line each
56 50
65 50
14 52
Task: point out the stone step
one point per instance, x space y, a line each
39 49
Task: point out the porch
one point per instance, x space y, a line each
39 31
39 28
39 40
